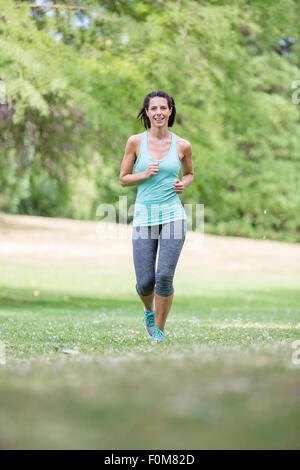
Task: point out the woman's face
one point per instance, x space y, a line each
158 112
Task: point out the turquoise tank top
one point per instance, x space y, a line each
156 201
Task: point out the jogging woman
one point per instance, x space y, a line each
159 217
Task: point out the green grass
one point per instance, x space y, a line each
224 378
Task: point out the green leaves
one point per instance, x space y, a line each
76 98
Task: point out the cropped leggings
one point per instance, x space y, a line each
145 239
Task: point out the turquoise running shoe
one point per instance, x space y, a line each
149 319
158 335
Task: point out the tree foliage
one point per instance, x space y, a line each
75 81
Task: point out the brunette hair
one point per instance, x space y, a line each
142 116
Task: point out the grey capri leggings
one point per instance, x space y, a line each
171 237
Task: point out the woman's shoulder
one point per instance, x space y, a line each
135 137
135 141
183 143
183 147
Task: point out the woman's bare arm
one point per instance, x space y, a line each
187 169
126 176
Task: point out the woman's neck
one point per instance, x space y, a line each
159 133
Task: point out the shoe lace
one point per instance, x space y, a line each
158 333
150 319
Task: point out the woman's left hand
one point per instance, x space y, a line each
178 186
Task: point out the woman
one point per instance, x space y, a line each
159 216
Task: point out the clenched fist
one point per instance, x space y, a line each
151 170
178 186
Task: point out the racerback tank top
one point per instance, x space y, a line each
156 201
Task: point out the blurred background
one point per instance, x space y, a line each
74 79
75 360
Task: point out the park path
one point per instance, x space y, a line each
35 239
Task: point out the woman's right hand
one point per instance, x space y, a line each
151 170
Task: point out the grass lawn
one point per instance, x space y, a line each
79 370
